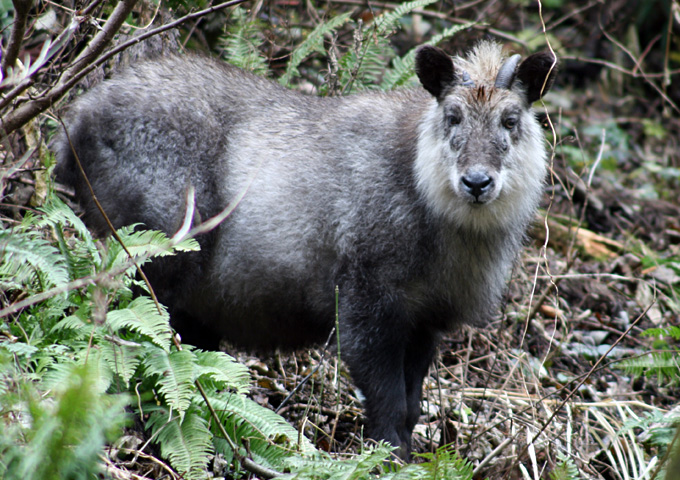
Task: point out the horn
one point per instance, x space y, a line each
467 81
507 72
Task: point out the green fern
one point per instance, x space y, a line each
371 464
143 245
313 43
123 359
143 317
663 365
566 469
390 19
72 323
28 261
220 372
320 465
61 438
175 374
363 68
241 47
58 215
81 256
443 464
659 427
270 438
672 331
403 68
186 442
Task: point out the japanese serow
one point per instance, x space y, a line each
414 203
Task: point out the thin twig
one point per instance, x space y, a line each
100 41
53 292
310 375
585 378
16 38
24 113
496 451
441 16
108 221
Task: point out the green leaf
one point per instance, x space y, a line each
122 358
72 323
175 371
62 432
221 369
313 43
185 442
402 71
663 365
270 438
28 260
242 44
143 317
143 245
58 214
389 19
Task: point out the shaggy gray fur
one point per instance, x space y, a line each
414 203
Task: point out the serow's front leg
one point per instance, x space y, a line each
388 365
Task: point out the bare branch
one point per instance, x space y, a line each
30 109
21 9
102 39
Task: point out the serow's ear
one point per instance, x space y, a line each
537 74
434 69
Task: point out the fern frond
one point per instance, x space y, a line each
29 261
270 438
20 349
670 331
58 214
144 244
242 44
664 365
79 251
185 442
72 323
313 43
566 469
320 465
359 467
223 371
390 19
402 71
371 464
143 317
362 70
175 374
122 358
444 463
62 437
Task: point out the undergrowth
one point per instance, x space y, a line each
93 380
79 366
89 362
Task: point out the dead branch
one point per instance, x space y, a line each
21 9
90 59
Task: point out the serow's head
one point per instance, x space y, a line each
481 152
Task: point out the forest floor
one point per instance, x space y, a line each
545 380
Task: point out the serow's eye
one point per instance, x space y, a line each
510 122
454 119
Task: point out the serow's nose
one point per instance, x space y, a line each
477 183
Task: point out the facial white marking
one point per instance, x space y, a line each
517 186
